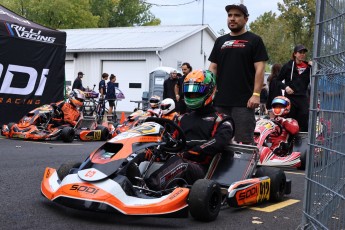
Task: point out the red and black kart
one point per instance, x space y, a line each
112 177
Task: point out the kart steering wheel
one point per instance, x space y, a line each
57 111
172 144
279 125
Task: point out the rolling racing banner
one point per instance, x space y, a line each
32 65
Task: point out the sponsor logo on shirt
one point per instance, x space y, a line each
234 44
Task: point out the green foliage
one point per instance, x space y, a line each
69 14
295 25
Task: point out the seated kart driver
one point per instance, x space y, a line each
168 110
280 142
154 110
207 133
68 112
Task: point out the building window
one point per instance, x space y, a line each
135 85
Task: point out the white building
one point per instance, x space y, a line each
132 53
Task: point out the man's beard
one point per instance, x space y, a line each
237 29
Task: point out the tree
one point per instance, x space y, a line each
56 14
131 13
67 14
295 25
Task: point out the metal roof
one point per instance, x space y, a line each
140 38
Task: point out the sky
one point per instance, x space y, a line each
214 11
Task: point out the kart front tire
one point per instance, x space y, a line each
205 200
67 134
104 132
64 169
278 182
303 159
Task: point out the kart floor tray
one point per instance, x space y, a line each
236 163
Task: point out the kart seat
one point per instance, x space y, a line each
143 165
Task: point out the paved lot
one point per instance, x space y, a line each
22 206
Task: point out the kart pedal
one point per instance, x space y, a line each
288 186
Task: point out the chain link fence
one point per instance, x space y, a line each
324 203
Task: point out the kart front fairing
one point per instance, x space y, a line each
100 184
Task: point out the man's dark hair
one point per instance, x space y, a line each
188 66
104 75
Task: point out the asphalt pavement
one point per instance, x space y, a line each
23 207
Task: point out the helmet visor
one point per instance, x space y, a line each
195 88
165 106
279 101
154 100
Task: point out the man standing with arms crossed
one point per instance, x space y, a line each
238 59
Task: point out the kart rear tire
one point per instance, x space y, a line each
64 169
278 182
205 200
104 132
67 134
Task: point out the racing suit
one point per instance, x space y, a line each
207 133
70 114
281 143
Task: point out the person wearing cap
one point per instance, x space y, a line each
238 59
169 88
296 74
77 84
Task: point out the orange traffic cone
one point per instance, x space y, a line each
123 117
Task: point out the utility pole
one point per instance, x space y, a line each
202 31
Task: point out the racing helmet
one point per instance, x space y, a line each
77 98
199 88
154 101
167 106
281 106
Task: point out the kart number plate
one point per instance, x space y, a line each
264 191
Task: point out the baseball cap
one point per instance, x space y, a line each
299 48
80 73
238 6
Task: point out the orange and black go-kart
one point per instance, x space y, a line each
112 177
37 125
87 129
296 146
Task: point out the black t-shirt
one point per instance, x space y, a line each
235 57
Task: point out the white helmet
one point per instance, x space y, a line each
167 105
154 101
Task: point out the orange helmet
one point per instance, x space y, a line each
199 88
77 98
281 106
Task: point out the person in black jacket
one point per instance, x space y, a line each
275 87
207 133
169 88
296 74
77 84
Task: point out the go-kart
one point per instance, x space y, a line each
112 178
38 125
296 149
133 120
